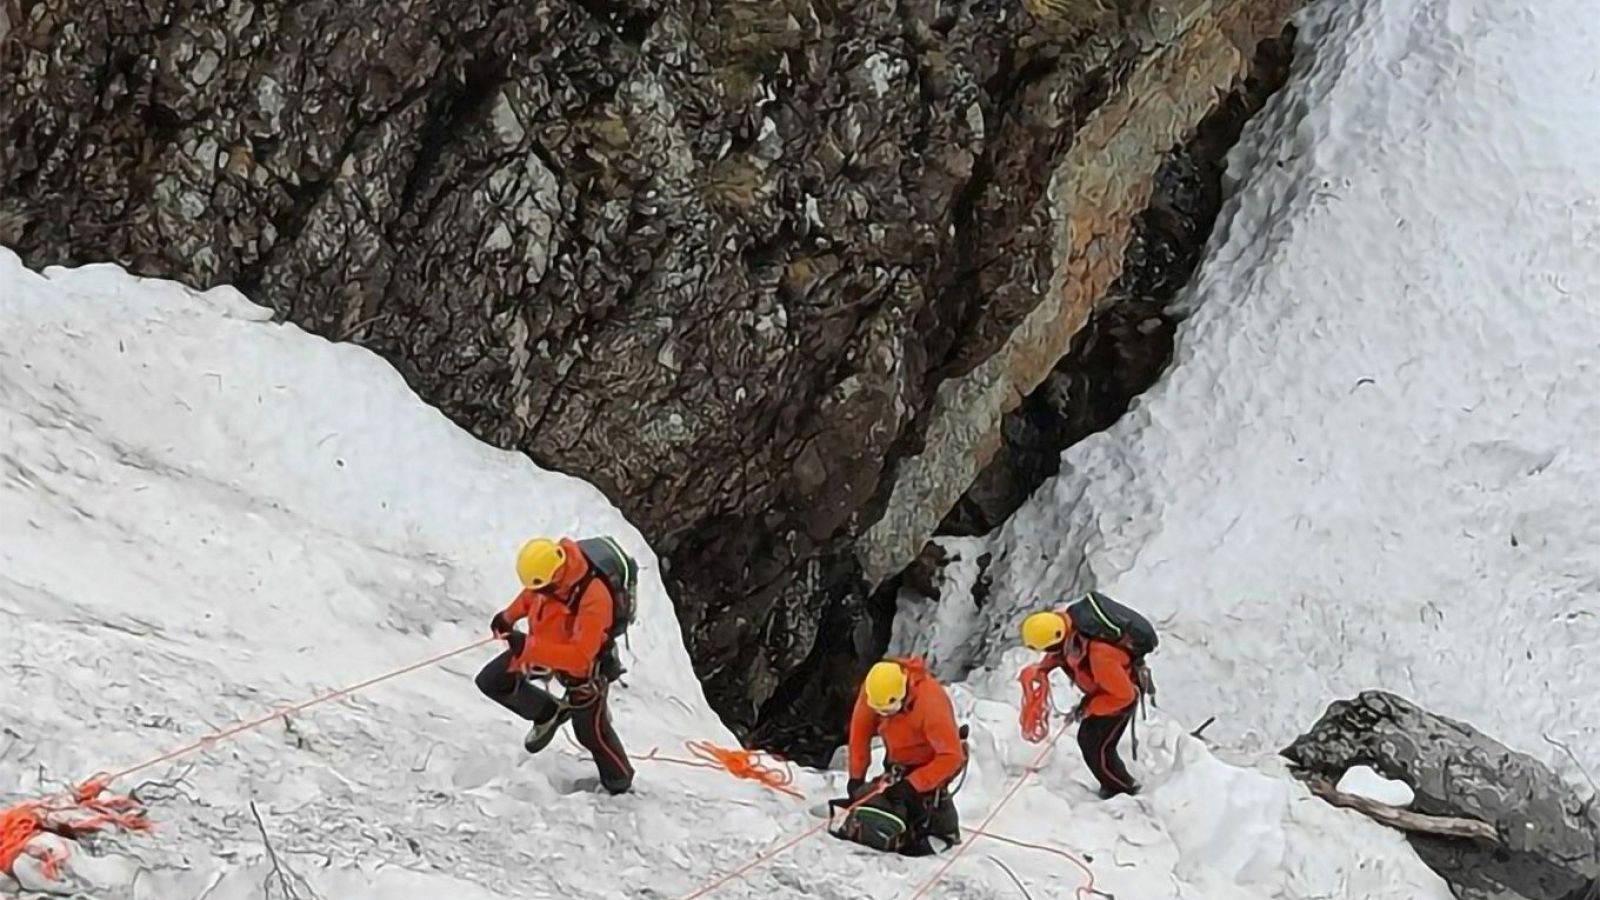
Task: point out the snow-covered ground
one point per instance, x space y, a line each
1374 460
204 514
208 515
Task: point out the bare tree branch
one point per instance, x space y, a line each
1593 893
154 790
288 881
1405 819
1567 749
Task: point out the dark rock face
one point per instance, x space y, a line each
717 258
1549 840
1127 343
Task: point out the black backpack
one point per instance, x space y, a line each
878 823
619 573
1100 618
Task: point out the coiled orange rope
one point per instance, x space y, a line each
740 763
22 823
25 821
1035 716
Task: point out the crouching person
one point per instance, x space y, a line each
923 753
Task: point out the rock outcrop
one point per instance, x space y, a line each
1548 845
770 273
1127 341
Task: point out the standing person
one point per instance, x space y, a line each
1101 645
923 752
577 598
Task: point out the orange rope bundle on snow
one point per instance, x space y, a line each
739 763
87 812
84 813
1035 717
18 825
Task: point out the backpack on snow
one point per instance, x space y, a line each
878 823
619 573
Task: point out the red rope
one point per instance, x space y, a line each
1085 889
740 763
769 855
20 824
754 862
25 821
749 765
1035 717
251 724
984 825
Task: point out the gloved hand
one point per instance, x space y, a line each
517 640
498 626
903 793
854 787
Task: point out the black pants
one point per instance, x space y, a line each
938 817
1098 737
585 704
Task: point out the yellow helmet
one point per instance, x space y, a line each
1044 630
539 561
885 688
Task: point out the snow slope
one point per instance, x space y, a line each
204 515
1373 461
207 515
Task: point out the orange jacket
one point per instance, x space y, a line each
1104 672
922 736
563 637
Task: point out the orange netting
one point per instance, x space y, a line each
85 812
1035 718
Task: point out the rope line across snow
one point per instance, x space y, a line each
90 808
86 811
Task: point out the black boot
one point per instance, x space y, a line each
543 732
1108 791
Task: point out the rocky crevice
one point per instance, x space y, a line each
1122 348
725 261
1127 342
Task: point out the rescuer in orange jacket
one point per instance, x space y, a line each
923 750
569 617
1104 673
